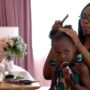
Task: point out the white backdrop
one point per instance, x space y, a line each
44 13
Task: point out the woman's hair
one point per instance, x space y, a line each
56 35
80 32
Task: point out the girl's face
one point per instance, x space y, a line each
85 21
64 50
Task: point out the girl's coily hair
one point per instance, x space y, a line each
56 35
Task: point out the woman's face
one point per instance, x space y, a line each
85 21
64 50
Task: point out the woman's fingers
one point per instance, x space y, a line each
68 31
72 33
57 25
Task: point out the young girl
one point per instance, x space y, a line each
74 76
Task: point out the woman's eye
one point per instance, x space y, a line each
89 18
84 17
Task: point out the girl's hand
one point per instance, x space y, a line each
66 74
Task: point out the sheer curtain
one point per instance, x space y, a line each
18 13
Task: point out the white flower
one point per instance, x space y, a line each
15 46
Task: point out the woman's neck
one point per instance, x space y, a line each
87 42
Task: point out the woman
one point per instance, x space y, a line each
84 30
82 43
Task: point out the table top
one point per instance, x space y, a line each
11 86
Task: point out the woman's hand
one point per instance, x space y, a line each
57 24
71 33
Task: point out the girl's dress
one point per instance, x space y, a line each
60 84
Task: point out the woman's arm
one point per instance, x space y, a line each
83 72
85 54
47 70
80 47
85 78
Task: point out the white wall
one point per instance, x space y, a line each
44 13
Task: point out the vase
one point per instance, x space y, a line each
2 71
9 66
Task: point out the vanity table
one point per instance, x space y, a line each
11 86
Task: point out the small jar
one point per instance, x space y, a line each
2 71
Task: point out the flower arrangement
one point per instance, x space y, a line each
14 47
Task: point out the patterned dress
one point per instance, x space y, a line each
61 85
60 82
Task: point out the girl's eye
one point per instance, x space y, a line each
57 53
66 52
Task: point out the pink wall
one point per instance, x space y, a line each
38 65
